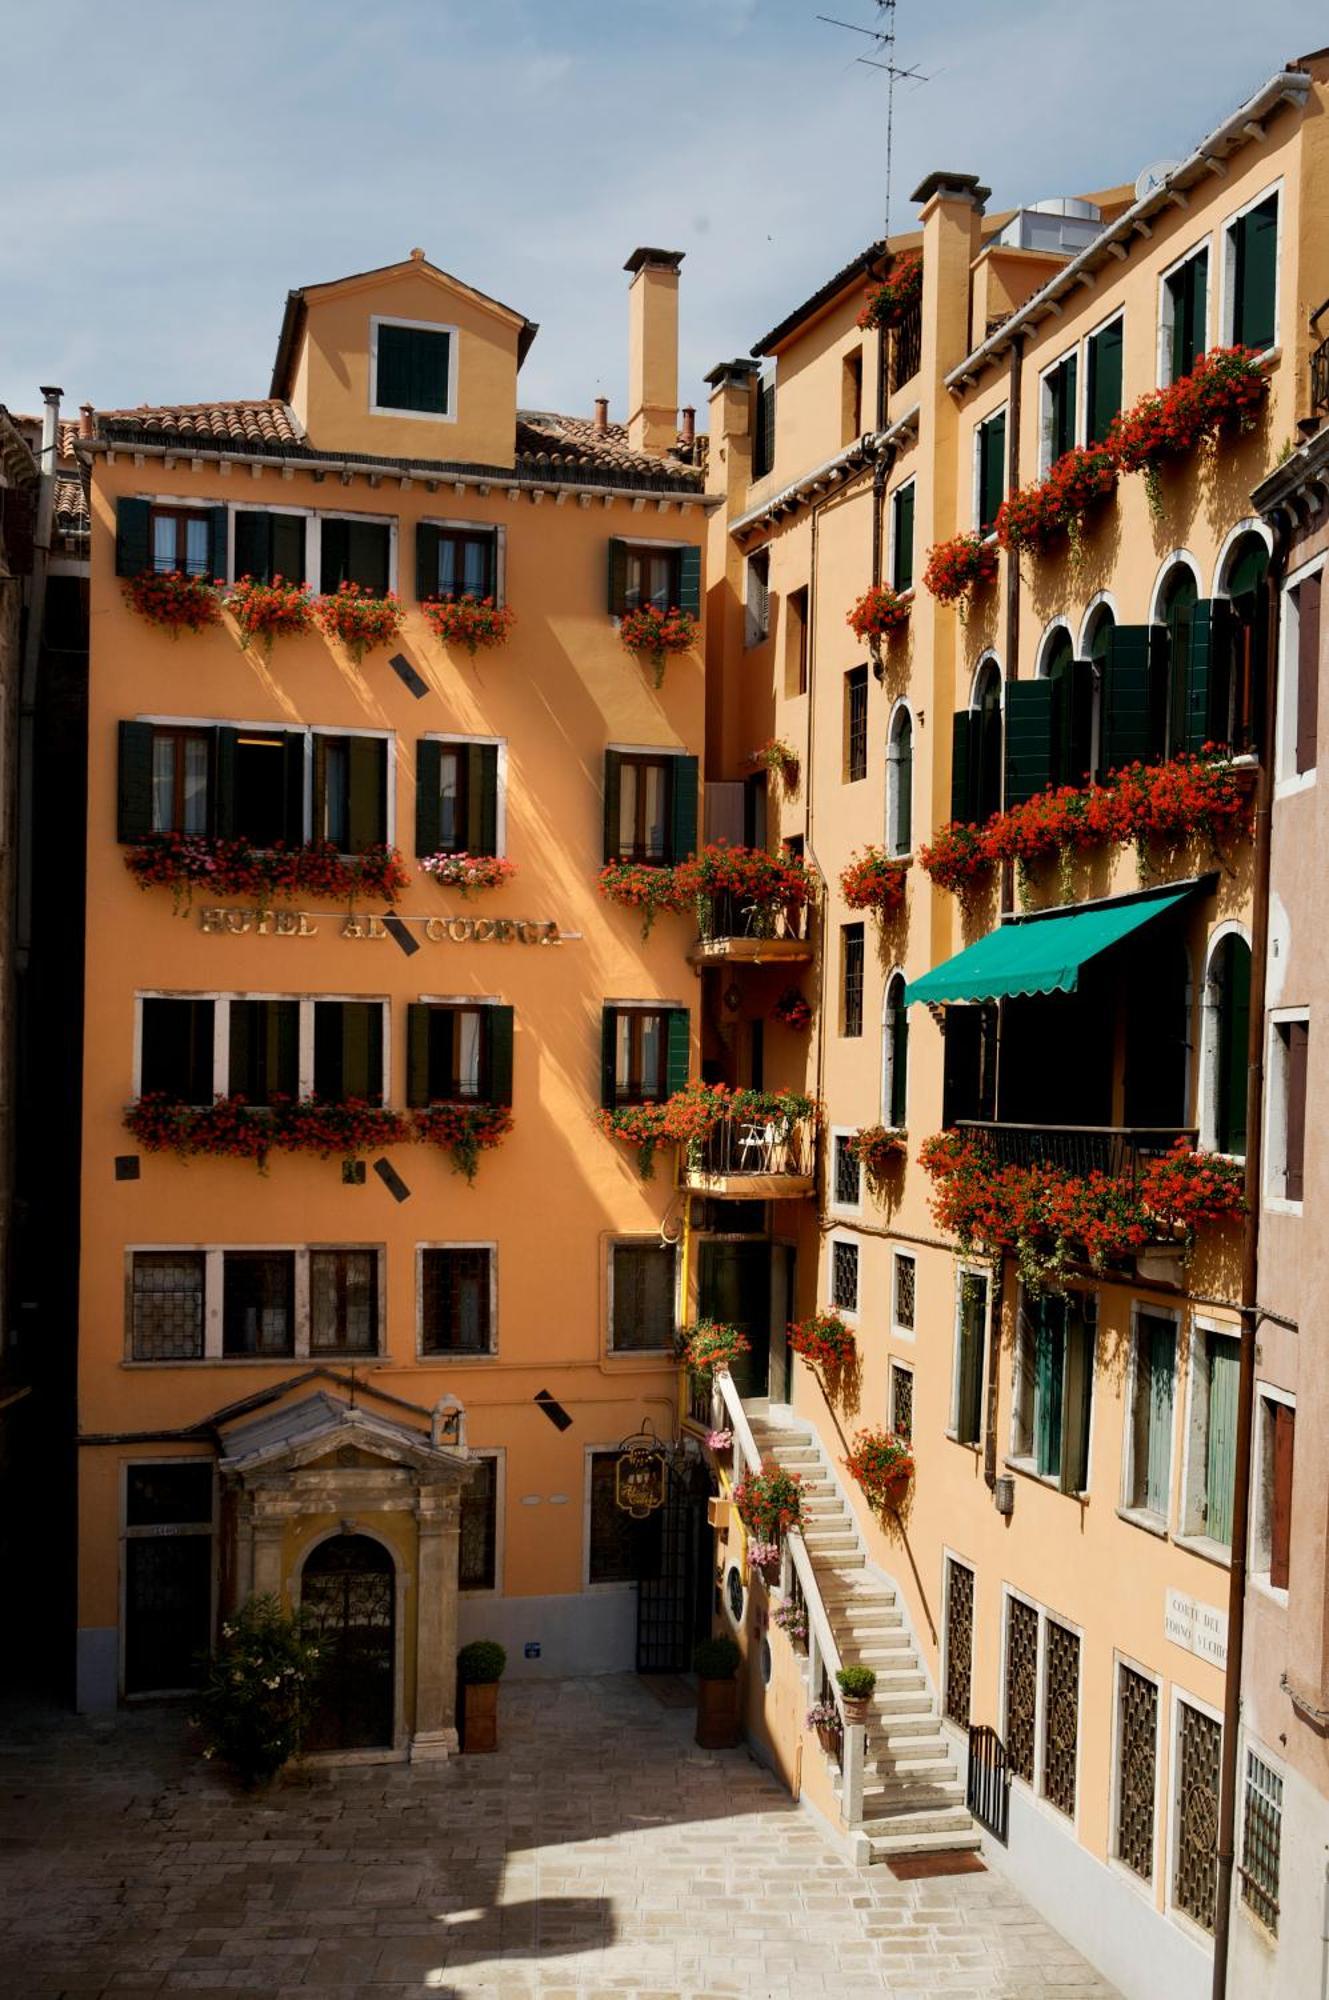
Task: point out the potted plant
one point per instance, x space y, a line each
879 613
469 621
882 1463
768 1502
874 880
469 871
959 567
360 620
716 1662
824 1340
177 602
824 1717
892 300
479 1671
655 635
260 1683
712 1344
780 761
792 1620
857 1686
268 611
793 1009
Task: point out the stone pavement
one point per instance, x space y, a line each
598 1856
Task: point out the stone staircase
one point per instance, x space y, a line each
913 1794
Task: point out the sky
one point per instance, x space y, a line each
183 165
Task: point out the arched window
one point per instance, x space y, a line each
900 783
986 705
1246 581
1057 653
1167 688
1097 640
1070 708
1227 1014
895 1055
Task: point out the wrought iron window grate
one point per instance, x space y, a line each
1262 1840
1061 1717
906 1272
167 1305
959 1640
844 1276
1137 1770
902 1401
847 1171
1195 1870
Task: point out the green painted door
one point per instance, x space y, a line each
734 1285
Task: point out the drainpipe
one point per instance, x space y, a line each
27 706
881 472
1250 1272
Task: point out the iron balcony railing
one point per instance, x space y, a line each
772 1146
907 347
1117 1150
729 916
1320 377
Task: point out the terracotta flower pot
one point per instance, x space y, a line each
717 1714
479 1716
855 1707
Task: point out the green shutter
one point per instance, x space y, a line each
1160 1359
964 765
335 557
613 787
682 808
991 469
689 580
366 761
608 1056
253 544
500 1054
1220 1466
618 576
224 787
1072 721
417 1053
426 562
293 775
428 781
1077 1399
134 791
1208 675
1028 739
1049 1368
1135 655
1234 1019
1104 379
1256 247
969 1398
677 1036
217 539
482 798
898 1026
133 545
902 552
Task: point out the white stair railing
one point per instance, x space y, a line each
823 1653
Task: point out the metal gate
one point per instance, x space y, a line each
350 1588
673 1599
988 1784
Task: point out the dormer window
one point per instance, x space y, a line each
412 369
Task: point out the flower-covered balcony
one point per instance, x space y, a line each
752 907
763 1148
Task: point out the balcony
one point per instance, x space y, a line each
754 1158
1118 1151
752 932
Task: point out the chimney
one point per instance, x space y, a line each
653 349
688 430
601 415
85 420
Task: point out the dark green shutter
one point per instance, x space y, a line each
682 809
1049 1373
991 469
1076 1399
253 544
500 1054
417 1053
969 1401
426 562
1256 260
898 1025
677 1032
613 793
1208 675
369 547
366 758
608 1056
964 765
224 787
428 780
689 580
134 791
1028 739
482 798
133 543
1104 379
1221 1458
618 576
1072 721
1234 1017
217 543
293 775
902 552
334 560
1135 656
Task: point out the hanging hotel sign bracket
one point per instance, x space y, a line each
640 1473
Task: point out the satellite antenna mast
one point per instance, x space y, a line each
882 38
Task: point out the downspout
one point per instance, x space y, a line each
27 703
881 472
997 1315
1250 1272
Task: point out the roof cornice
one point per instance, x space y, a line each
853 459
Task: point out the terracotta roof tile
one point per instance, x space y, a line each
264 420
543 434
71 506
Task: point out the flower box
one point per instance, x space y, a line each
781 762
768 1503
186 862
469 872
657 635
874 881
232 1128
468 621
879 1151
1034 516
892 301
639 885
960 567
176 602
268 611
463 1130
824 1340
1223 391
358 619
744 891
879 613
882 1463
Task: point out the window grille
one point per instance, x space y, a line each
455 1317
644 1285
844 1276
906 1270
477 1568
1137 1770
1261 1841
856 724
1061 1716
1021 1686
902 1401
167 1306
343 1302
847 1172
959 1641
851 973
1195 1868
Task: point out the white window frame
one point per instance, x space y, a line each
1209 1021
1227 237
500 536
1142 1517
901 712
221 1031
900 1332
1123 1868
478 1592
1287 778
1261 1496
838 1132
963 1270
234 507
851 1314
1045 375
451 1360
1197 1385
1275 1108
1179 1917
314 547
1164 321
891 514
1027 1462
377 409
214 1255
128 1534
636 1240
309 731
1082 393
500 743
980 425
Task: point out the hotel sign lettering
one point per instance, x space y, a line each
225 922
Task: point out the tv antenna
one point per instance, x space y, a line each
882 38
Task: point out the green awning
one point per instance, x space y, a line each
1041 954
